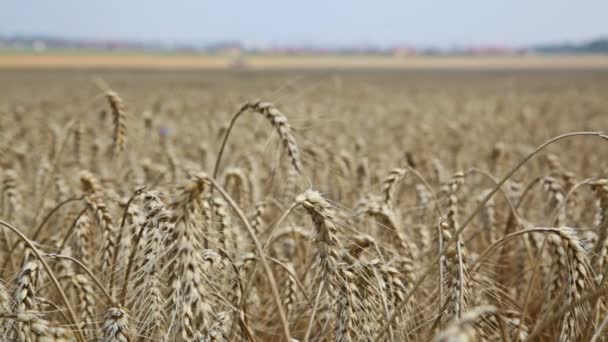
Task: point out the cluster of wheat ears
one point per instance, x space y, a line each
105 242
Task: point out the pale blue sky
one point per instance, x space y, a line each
430 22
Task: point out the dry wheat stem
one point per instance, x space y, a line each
119 239
470 217
540 326
50 273
91 275
40 226
599 330
262 256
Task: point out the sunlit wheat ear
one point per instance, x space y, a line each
359 244
156 227
280 123
290 289
90 183
456 276
451 188
347 303
291 184
25 292
257 222
514 191
186 299
518 331
190 191
119 118
600 250
226 236
390 183
11 196
86 298
24 296
326 265
115 326
147 298
388 220
218 332
569 273
134 217
373 300
151 322
206 211
109 230
398 281
423 198
324 234
555 194
83 239
5 300
465 329
286 252
37 329
4 157
237 184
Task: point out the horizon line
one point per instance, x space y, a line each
254 44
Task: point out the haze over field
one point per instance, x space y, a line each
323 23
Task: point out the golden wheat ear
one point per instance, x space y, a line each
119 120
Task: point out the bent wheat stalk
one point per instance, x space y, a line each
49 271
277 119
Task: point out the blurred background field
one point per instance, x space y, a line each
199 61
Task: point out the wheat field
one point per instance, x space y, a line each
147 61
303 206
